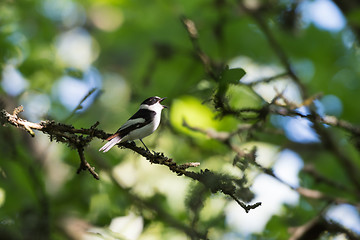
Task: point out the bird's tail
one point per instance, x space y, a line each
113 140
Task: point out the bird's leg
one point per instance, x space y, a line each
144 145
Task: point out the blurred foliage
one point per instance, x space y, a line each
53 53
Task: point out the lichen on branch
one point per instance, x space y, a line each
79 138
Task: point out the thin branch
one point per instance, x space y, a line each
160 212
329 120
267 80
343 158
251 157
306 192
310 169
18 122
194 35
246 207
227 187
79 106
300 231
161 159
79 138
328 140
84 165
279 51
316 226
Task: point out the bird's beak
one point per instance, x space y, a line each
163 100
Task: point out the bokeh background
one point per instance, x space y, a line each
54 52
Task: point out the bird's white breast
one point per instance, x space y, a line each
147 129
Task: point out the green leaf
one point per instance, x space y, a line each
233 75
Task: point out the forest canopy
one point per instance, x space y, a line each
260 140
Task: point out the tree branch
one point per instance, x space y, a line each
328 140
316 226
251 158
79 106
79 138
204 58
279 51
84 165
160 212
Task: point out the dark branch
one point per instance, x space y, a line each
204 58
279 51
250 157
267 80
80 138
80 106
84 165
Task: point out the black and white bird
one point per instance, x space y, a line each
143 123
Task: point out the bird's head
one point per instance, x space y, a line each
153 103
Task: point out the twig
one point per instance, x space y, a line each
342 157
329 120
84 165
69 135
189 164
310 169
274 45
328 140
246 207
224 137
316 226
18 122
267 80
160 212
306 192
158 158
193 34
161 159
251 156
79 106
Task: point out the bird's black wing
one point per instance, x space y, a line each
145 114
141 118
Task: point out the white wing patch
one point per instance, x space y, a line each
132 122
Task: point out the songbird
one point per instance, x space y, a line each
143 123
